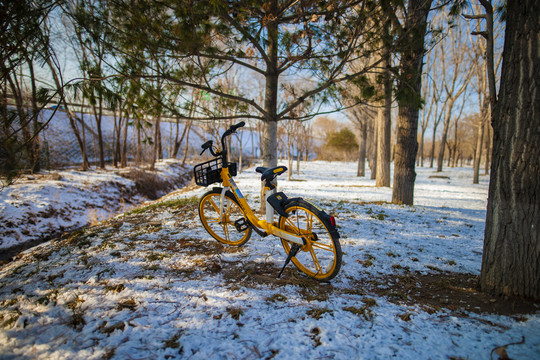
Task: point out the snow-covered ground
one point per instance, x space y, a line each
152 284
47 204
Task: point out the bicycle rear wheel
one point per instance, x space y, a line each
320 257
223 228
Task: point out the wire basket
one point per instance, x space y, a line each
209 172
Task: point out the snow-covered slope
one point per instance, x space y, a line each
44 205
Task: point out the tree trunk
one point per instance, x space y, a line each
99 118
384 130
432 153
442 147
405 155
422 136
138 156
511 258
187 142
409 89
289 160
123 162
362 151
156 149
372 149
270 101
487 139
35 146
478 154
84 148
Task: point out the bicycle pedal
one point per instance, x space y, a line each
241 225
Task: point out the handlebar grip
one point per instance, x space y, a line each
207 144
237 126
232 129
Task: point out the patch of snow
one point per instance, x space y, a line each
47 204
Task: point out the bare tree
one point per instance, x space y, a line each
455 79
485 74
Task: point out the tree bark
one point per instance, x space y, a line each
409 89
362 141
478 153
384 128
442 147
511 258
372 149
270 101
487 139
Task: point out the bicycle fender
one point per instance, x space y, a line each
278 202
326 218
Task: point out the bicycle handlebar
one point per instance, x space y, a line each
231 130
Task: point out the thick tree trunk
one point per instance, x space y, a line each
511 258
405 156
269 145
270 101
409 88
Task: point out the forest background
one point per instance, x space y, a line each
69 58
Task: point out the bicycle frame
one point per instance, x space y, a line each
266 224
309 235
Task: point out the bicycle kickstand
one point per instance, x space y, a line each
294 250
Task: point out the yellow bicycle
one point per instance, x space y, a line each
308 234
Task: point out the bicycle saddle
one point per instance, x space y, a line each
269 174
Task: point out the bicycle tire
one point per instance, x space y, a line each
320 257
224 231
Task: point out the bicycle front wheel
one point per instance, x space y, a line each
219 220
320 257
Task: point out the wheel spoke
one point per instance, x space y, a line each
211 201
315 261
309 222
322 246
226 231
290 226
228 209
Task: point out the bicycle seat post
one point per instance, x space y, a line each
269 210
